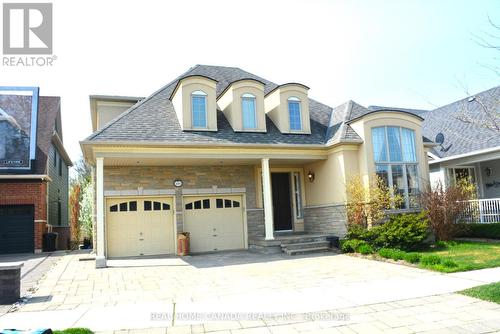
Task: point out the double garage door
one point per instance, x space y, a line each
140 226
145 226
214 222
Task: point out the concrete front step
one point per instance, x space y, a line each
302 240
307 250
304 245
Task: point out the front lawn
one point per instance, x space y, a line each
463 256
489 292
74 331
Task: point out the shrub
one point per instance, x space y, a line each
491 231
352 245
449 264
389 253
365 249
362 233
412 257
367 203
445 205
441 244
405 231
430 260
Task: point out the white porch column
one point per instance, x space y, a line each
100 260
268 200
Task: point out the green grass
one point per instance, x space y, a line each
74 331
489 292
461 256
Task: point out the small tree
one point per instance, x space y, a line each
367 205
86 211
74 205
444 205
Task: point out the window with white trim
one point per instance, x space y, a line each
294 114
248 111
199 109
394 152
457 174
298 195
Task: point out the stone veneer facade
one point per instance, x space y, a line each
193 177
328 219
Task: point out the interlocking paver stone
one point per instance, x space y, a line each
376 296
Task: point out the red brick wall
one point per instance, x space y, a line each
12 193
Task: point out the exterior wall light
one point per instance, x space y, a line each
488 171
310 176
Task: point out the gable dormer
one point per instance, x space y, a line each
195 104
288 107
243 105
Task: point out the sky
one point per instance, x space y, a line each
414 54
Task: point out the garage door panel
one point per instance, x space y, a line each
158 232
214 222
16 229
140 226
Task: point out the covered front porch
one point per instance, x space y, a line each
266 192
484 171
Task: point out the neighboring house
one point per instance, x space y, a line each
468 149
35 200
239 162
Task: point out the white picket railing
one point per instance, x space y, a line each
482 211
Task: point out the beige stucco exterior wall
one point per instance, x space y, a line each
182 102
363 128
230 104
331 176
107 111
276 106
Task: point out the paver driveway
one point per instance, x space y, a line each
362 295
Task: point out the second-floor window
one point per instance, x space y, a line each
294 114
248 110
199 109
394 152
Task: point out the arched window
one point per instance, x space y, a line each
248 110
199 109
294 114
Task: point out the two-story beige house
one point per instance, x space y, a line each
239 162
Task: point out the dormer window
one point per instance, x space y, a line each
248 110
294 114
199 109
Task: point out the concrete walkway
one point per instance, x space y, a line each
256 293
34 268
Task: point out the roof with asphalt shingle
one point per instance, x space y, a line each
154 119
460 136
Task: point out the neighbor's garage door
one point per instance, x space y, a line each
16 229
215 223
140 226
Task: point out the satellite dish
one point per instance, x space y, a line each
440 138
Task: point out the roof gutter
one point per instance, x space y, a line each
60 147
41 177
194 144
465 155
